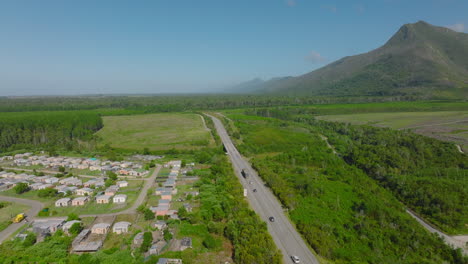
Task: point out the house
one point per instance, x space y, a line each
111 191
157 247
138 239
170 183
120 198
160 225
121 227
51 180
164 202
160 210
94 182
66 227
84 191
79 201
64 202
169 261
185 243
95 168
44 227
166 195
122 184
101 228
103 199
123 172
82 166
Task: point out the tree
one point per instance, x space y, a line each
141 208
61 169
112 175
75 229
167 235
184 163
182 212
149 215
21 188
72 216
147 240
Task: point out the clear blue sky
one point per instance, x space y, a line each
113 46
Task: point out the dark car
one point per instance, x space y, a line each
254 190
272 219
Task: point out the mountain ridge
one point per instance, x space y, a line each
419 60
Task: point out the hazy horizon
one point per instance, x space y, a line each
153 47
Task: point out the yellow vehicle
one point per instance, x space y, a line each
18 218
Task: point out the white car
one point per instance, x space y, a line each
295 259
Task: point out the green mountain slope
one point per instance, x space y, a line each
420 59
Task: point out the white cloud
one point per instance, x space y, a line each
315 57
457 27
291 3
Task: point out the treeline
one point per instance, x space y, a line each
172 103
341 212
427 175
47 129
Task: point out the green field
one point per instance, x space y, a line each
155 132
8 211
444 125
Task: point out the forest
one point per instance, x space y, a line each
47 129
427 175
333 203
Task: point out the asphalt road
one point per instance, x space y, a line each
35 208
287 239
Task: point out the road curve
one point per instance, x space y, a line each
35 208
149 182
263 201
448 239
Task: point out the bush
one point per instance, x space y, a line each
47 192
75 229
209 242
73 216
21 188
149 215
167 235
30 240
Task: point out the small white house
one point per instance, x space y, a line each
64 202
122 184
121 227
120 198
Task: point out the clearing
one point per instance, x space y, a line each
155 132
443 125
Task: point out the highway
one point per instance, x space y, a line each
287 239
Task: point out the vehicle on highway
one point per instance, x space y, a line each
244 174
18 218
271 218
295 259
254 190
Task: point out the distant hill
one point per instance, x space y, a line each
420 59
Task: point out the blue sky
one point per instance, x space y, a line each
154 46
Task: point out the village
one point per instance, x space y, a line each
163 199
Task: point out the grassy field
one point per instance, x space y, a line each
8 211
444 125
155 131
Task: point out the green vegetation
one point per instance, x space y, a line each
8 211
341 219
21 187
154 132
46 129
